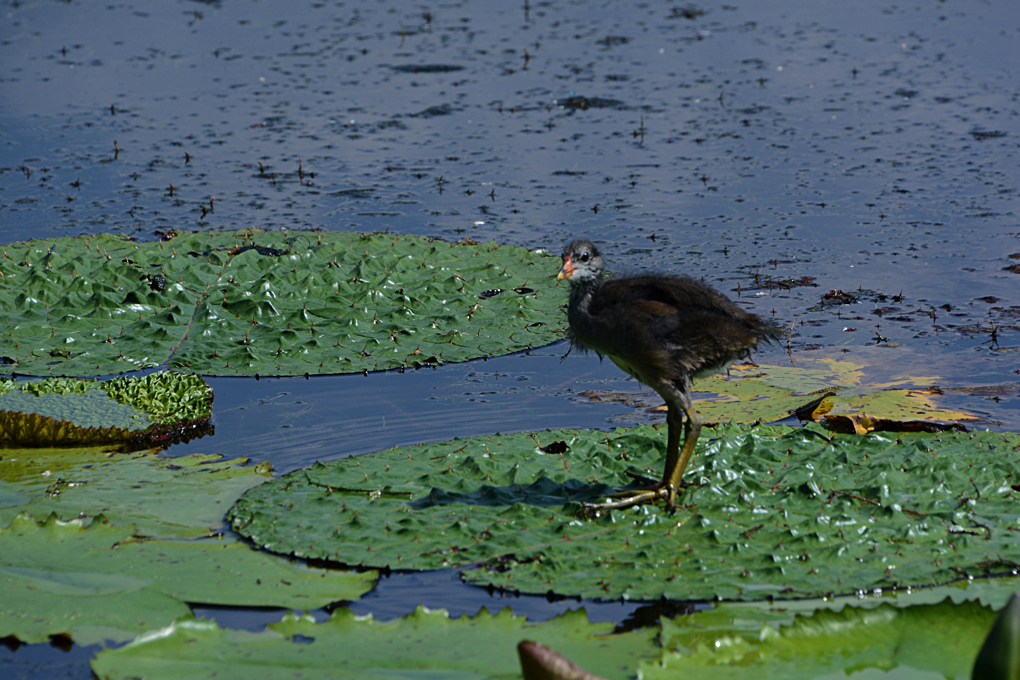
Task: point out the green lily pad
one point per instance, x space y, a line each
775 512
134 412
424 645
113 580
939 640
175 497
93 409
275 303
33 608
884 639
143 538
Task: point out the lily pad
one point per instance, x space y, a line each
116 581
134 412
774 512
423 645
34 608
140 538
751 392
175 497
941 640
888 640
92 410
274 303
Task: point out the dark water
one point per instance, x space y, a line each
780 150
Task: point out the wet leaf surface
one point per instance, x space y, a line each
939 640
251 302
775 512
729 641
35 607
100 581
129 540
184 496
423 645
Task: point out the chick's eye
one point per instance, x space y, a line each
584 257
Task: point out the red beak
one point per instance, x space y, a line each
567 271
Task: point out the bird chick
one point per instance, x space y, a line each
663 331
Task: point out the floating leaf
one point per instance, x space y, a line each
727 641
34 607
124 580
83 581
177 497
758 393
275 303
134 412
92 410
423 645
904 405
7 384
22 429
942 639
774 512
862 423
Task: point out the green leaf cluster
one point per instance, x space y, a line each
882 639
133 411
935 640
424 645
165 396
275 303
58 386
184 497
99 545
773 512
